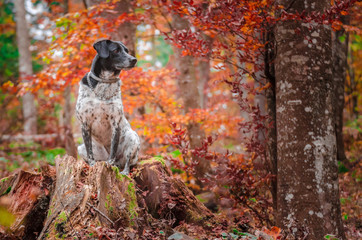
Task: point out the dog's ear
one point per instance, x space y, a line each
102 48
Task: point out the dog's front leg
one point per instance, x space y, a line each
87 138
126 167
114 145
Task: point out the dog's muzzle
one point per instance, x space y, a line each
132 63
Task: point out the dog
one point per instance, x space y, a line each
106 133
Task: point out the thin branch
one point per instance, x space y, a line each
85 4
99 211
164 16
290 5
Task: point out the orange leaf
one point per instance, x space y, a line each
274 232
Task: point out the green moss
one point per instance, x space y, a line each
59 225
132 205
119 175
201 199
176 170
194 216
157 159
115 169
49 212
62 217
4 179
108 203
60 236
133 200
7 191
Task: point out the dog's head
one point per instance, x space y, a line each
114 55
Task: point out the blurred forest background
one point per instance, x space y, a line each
202 96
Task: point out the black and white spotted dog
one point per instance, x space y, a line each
106 132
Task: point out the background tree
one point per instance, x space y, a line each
308 192
190 94
25 67
340 39
68 111
124 32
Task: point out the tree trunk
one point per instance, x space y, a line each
271 150
204 64
74 200
188 85
339 54
67 123
25 67
272 154
308 192
157 181
204 73
68 112
125 32
352 85
259 81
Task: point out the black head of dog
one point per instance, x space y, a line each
113 56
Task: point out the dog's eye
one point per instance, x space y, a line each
126 50
116 50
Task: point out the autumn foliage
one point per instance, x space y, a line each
235 36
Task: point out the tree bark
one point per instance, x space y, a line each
28 197
25 67
188 85
308 192
156 180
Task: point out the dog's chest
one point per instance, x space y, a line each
107 91
100 112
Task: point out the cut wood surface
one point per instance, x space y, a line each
75 201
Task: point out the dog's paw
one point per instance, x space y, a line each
125 172
91 163
111 161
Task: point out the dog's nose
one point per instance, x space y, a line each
133 61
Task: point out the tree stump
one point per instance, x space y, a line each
75 201
167 197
